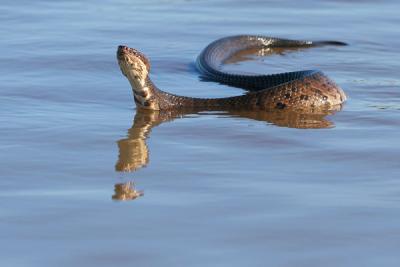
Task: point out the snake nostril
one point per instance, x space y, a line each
123 48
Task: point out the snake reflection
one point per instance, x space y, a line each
134 152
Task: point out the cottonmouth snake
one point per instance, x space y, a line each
306 91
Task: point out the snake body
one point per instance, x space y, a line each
308 90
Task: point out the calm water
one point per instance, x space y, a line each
219 189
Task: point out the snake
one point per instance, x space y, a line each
307 91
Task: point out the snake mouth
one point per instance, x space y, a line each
130 54
123 51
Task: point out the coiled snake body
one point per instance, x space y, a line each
307 91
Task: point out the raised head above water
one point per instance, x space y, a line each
307 90
136 67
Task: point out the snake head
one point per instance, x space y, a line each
134 65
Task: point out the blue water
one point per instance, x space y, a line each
219 190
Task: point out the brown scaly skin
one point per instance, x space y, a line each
303 91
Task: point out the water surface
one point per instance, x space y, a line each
219 189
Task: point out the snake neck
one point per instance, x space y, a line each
148 96
144 93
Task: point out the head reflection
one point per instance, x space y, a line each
126 191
